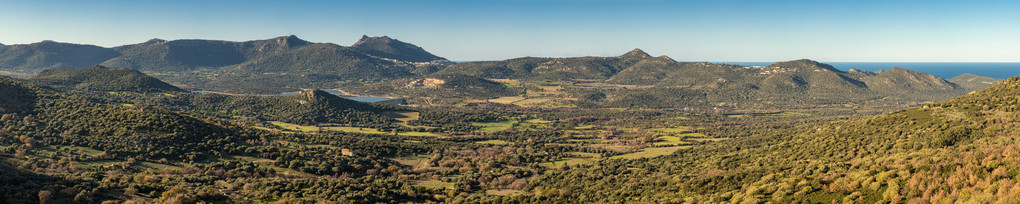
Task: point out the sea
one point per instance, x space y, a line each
1000 70
341 94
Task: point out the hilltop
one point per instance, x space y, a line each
394 49
971 81
100 78
52 55
16 97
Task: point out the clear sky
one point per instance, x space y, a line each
709 30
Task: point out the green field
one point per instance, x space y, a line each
355 129
494 142
494 126
403 116
506 100
650 152
668 141
295 127
677 129
434 184
580 158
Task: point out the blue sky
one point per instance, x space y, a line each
720 30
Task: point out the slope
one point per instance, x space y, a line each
52 55
386 47
556 69
961 150
307 107
14 96
184 55
100 78
973 82
140 132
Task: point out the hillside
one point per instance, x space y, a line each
958 150
118 130
16 97
440 88
276 65
650 80
100 78
308 107
389 48
974 82
903 80
183 55
560 69
52 55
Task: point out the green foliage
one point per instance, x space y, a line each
974 82
99 78
307 107
390 48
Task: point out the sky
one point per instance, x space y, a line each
709 30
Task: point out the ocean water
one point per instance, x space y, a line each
341 94
946 70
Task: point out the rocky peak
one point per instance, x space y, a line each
311 96
290 41
666 58
636 53
155 40
368 41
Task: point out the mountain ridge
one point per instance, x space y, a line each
100 78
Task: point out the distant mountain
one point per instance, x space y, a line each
281 64
52 55
183 55
903 81
971 81
803 82
390 48
100 78
582 68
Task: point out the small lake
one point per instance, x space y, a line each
341 94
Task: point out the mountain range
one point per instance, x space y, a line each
99 133
384 66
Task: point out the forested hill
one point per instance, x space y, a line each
52 55
16 97
972 81
281 64
100 78
390 48
596 82
960 150
121 131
